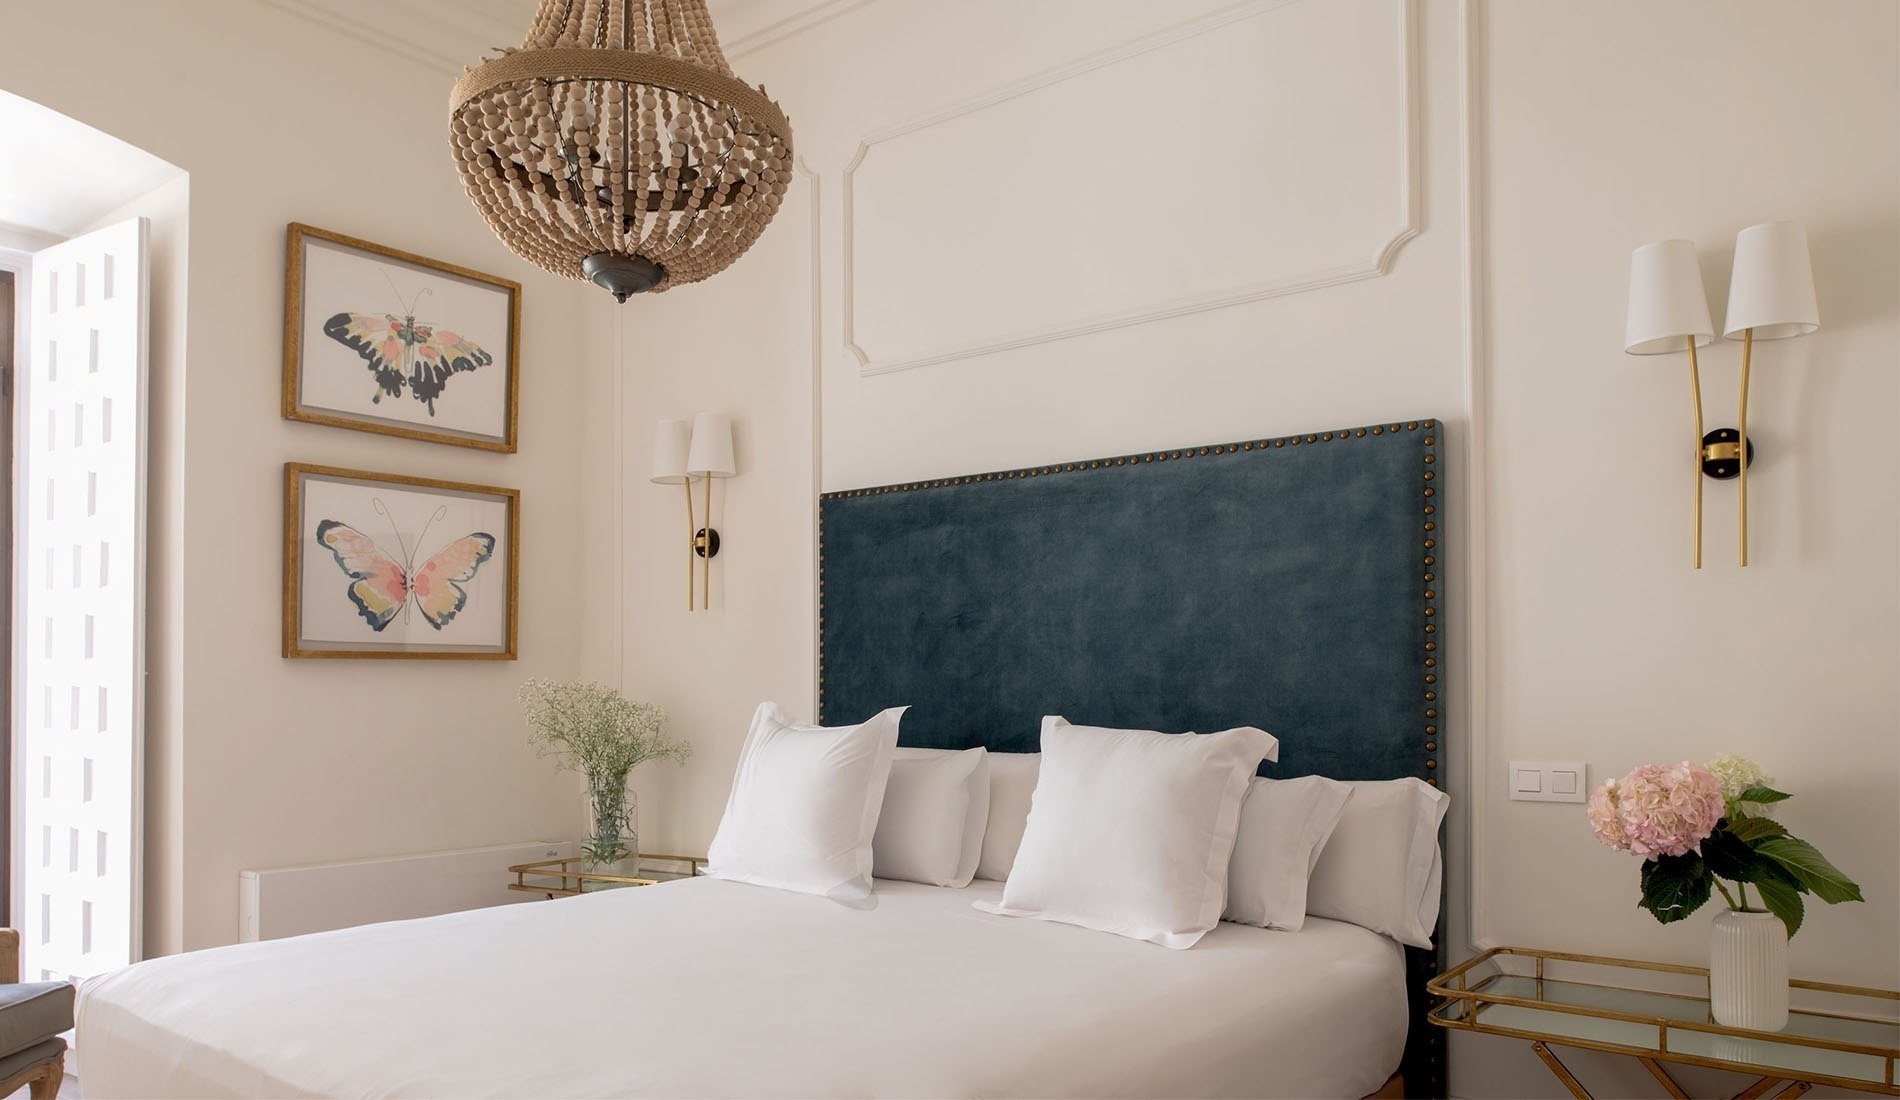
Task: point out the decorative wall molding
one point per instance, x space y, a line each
1475 620
1410 199
819 13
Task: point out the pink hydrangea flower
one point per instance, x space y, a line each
1657 809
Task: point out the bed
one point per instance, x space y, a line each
709 988
1287 583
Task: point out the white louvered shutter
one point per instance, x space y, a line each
79 634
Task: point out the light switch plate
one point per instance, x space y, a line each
1548 781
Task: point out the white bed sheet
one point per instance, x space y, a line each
711 988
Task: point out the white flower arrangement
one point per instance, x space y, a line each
593 729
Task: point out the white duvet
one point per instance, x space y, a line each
711 988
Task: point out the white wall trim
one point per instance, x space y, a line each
817 244
1477 470
1380 263
315 11
775 33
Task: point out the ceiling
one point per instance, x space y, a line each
452 34
59 175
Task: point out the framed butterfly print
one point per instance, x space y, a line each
379 565
386 341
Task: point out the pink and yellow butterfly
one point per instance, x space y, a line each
383 587
398 350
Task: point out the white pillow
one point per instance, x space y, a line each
1382 869
1284 824
1131 830
1012 784
936 807
804 805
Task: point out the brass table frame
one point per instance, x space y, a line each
573 881
1459 1003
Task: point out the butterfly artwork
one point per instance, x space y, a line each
381 340
383 586
401 351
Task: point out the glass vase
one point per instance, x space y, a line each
613 845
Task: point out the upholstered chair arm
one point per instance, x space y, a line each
9 956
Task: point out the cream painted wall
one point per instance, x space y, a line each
1572 133
278 119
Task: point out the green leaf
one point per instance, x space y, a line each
1748 828
1729 857
1675 886
1762 794
1810 868
1783 900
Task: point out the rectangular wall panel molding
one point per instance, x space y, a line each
1165 189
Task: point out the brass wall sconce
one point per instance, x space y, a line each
1771 297
683 454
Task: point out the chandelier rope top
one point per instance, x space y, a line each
616 145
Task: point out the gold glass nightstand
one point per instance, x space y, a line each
1656 1013
564 878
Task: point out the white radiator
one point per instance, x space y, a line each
290 901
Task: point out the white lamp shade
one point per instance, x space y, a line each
671 439
711 454
1773 288
1667 303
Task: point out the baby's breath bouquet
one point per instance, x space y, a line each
593 729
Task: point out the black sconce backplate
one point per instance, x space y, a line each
706 542
1721 459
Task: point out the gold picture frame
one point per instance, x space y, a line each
342 382
343 588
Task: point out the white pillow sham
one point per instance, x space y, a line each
1131 830
1284 824
1012 785
1382 869
936 807
804 805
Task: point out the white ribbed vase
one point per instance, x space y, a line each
1748 971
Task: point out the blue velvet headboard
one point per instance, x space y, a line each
1291 584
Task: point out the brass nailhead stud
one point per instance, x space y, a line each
1431 729
1327 436
1361 433
1430 678
1430 595
1431 509
1378 431
1431 628
1411 425
1279 443
1431 697
1431 662
1429 543
1431 746
1429 459
1311 439
1431 647
1429 577
1433 713
1431 763
1429 440
1246 446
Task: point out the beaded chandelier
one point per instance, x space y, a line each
616 145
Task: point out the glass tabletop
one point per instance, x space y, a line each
1609 1003
578 875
